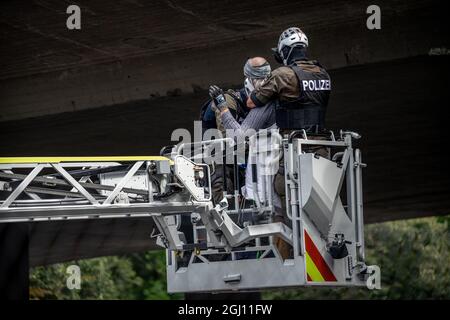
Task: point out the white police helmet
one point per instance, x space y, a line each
291 37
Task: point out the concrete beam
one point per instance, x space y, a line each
127 52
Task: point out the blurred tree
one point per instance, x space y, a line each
151 267
101 278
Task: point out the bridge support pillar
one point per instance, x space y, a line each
14 239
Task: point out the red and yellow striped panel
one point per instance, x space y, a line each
317 269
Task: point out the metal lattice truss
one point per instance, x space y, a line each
62 188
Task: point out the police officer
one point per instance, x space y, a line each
301 86
211 119
302 89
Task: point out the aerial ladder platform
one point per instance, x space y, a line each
214 247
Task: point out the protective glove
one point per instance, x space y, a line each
218 97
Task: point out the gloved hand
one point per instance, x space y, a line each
218 97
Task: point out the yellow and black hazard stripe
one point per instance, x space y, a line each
317 269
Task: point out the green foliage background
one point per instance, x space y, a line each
413 255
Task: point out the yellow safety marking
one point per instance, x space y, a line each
17 160
312 270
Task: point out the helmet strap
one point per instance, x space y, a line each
286 59
296 52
